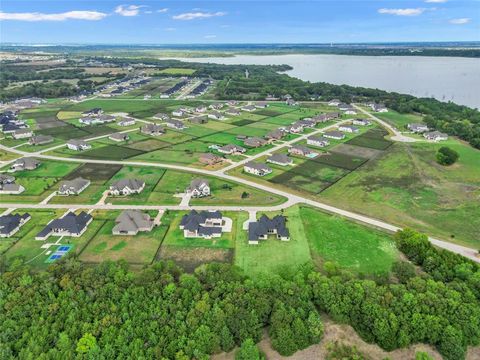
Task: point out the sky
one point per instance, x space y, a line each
233 21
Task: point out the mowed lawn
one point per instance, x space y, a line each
351 246
272 255
405 186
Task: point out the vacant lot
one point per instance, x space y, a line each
351 246
373 138
177 71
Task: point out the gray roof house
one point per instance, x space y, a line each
26 163
204 224
161 116
210 159
11 223
417 128
319 141
8 186
348 128
216 115
302 151
280 159
435 136
68 225
248 108
78 145
362 122
22 133
73 187
131 222
261 229
6 179
127 187
40 140
175 124
201 119
232 111
119 137
198 188
152 129
257 168
254 142
231 149
275 134
337 135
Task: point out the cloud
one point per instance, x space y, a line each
198 15
35 16
170 29
210 36
164 10
128 10
436 1
402 12
460 21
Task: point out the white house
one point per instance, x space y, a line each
257 168
348 128
127 187
78 145
198 188
318 141
435 136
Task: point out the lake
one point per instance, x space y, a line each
444 78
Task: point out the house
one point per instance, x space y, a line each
152 129
216 106
418 128
435 136
175 124
321 118
337 135
302 151
89 120
201 109
69 225
295 128
161 116
232 102
305 123
232 112
11 128
350 111
93 112
216 115
105 118
287 97
78 145
40 140
178 113
210 159
261 104
334 102
126 187
256 168
261 229
362 122
343 106
73 187
119 137
131 222
231 149
249 108
126 122
198 188
275 134
254 142
11 223
22 134
198 119
26 163
333 115
291 102
379 108
204 224
8 186
348 128
280 159
319 141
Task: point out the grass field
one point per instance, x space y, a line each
177 71
405 186
351 246
399 120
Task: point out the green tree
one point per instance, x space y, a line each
87 343
249 351
447 156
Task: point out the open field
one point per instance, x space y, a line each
177 71
398 120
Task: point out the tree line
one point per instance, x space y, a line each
107 311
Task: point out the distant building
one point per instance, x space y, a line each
319 141
93 112
204 224
131 222
435 136
8 185
210 159
11 223
254 142
198 188
26 163
203 119
378 108
73 187
334 102
361 122
118 137
280 159
294 128
348 128
291 102
161 116
22 134
257 168
417 128
127 187
351 111
261 104
126 122
302 151
78 145
178 113
231 149
337 135
216 115
275 134
175 124
152 130
69 225
232 112
264 227
249 108
40 140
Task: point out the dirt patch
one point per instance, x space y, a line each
148 145
353 150
94 172
191 258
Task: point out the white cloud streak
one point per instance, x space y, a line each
210 36
459 21
128 10
402 12
436 1
198 15
164 10
36 16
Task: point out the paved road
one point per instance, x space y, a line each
291 198
397 135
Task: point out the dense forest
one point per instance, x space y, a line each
108 312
